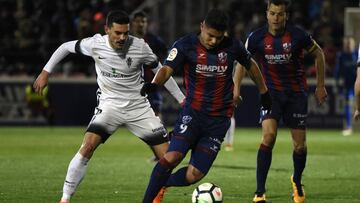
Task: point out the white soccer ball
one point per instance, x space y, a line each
207 193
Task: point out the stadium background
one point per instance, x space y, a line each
32 30
33 160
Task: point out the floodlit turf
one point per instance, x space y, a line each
33 163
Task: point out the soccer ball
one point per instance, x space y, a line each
207 193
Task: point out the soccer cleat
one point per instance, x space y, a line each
229 147
298 192
64 201
259 198
159 197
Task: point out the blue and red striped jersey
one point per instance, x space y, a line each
281 57
208 74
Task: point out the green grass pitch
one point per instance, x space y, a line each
33 163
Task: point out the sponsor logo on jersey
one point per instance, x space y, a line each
268 46
222 57
172 54
114 75
278 58
210 69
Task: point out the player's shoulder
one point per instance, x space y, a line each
258 33
98 38
187 39
186 42
295 30
136 42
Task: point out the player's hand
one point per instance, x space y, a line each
320 94
237 100
357 115
41 82
266 102
148 88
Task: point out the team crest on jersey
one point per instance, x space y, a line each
186 119
172 54
129 61
222 56
287 46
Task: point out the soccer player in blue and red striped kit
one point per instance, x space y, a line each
278 47
207 62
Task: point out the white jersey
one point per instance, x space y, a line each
119 72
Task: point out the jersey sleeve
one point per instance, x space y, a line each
306 40
176 57
85 46
243 56
150 59
249 44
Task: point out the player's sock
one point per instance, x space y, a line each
158 178
264 158
75 173
178 178
348 115
299 165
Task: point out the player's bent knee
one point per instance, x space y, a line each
193 175
174 158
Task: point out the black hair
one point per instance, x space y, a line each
217 19
141 14
117 16
287 3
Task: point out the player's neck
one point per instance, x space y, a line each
277 32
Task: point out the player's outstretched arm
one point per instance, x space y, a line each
61 52
256 76
357 94
170 84
320 91
239 74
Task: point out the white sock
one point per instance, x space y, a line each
75 173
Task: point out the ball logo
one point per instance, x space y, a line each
172 54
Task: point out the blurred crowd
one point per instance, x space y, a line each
32 30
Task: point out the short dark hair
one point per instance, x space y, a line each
287 3
141 14
117 16
217 19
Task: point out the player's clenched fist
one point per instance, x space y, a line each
148 88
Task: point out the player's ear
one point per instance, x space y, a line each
106 28
202 25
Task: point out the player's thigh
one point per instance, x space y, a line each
208 146
105 121
186 131
148 127
295 113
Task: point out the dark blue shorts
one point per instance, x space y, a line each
291 107
201 133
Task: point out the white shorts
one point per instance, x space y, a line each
138 117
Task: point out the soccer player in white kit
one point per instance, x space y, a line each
119 58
